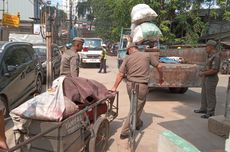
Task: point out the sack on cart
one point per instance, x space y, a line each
142 13
48 106
146 32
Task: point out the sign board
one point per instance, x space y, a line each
37 28
10 20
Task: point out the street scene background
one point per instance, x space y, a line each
163 110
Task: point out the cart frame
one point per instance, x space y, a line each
82 118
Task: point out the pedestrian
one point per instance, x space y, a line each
103 59
136 67
70 59
3 144
209 81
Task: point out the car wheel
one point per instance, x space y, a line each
38 84
3 103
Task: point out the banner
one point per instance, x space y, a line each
10 20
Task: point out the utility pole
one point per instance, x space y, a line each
3 11
57 24
48 45
70 17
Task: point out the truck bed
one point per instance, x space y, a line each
176 75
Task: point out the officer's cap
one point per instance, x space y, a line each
211 42
78 39
132 45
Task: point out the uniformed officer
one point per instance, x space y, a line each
136 66
103 59
209 81
3 144
70 59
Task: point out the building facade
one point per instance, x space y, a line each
29 12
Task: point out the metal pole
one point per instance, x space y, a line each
227 103
3 11
209 10
133 115
70 17
49 52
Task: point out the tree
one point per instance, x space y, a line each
179 20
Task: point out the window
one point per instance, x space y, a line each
93 43
17 57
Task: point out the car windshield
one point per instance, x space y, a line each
94 44
41 51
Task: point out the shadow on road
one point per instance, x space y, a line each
163 94
190 126
147 119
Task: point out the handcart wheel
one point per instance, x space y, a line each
99 140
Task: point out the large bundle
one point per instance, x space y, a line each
50 105
146 32
67 96
142 13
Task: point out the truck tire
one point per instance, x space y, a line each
180 90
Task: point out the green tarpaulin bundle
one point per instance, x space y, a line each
146 32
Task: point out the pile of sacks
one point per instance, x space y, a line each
142 28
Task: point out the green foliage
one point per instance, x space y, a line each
82 8
178 20
226 16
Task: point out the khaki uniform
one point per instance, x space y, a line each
209 83
137 67
70 63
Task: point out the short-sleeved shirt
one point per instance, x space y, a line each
213 61
137 66
70 63
103 54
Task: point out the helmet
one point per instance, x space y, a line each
103 45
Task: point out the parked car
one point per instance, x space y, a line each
20 73
91 52
41 50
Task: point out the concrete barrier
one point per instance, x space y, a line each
219 125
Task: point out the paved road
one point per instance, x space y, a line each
162 111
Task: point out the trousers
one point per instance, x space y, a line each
143 91
103 65
208 94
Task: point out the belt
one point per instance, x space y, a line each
137 82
